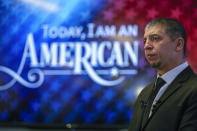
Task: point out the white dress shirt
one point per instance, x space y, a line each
168 77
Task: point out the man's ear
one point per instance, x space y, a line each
179 44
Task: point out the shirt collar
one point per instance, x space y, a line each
169 76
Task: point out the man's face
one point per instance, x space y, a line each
158 46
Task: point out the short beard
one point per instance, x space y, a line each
155 65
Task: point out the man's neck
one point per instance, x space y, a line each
170 67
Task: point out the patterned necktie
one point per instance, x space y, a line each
158 84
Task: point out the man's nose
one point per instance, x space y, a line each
148 45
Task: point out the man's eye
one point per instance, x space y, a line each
144 41
154 38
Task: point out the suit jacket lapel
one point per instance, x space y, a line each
174 86
145 99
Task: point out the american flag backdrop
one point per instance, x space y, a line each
78 98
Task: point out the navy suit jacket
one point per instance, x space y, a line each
176 110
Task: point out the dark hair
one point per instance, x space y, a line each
173 29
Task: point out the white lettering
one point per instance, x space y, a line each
101 52
66 58
116 55
91 30
48 57
131 53
30 51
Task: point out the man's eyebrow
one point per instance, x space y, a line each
154 34
151 35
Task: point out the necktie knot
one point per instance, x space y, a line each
159 83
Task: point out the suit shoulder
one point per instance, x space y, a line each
193 77
146 90
192 82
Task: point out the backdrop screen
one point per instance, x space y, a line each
79 61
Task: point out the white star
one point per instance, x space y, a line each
114 71
85 15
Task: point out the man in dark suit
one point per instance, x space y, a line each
170 103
